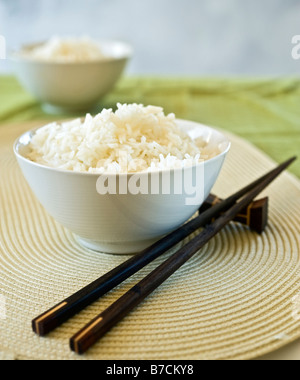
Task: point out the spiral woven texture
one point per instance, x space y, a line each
232 300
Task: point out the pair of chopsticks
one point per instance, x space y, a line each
224 212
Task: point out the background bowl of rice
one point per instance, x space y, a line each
118 221
74 82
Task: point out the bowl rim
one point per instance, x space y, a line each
122 175
18 57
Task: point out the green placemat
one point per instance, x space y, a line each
263 111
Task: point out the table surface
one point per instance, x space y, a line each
290 352
263 111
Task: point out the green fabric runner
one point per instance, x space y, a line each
265 112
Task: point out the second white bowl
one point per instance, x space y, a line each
68 87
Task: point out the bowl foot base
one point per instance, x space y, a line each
126 248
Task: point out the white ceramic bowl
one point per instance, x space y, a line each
128 223
68 87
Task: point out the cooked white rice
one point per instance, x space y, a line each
133 139
67 50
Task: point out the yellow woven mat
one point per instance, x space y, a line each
233 300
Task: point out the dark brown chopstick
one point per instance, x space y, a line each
99 326
66 309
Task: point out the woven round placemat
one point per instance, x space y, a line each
235 299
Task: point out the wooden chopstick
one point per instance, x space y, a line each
99 326
66 309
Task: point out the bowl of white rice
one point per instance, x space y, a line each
68 74
121 180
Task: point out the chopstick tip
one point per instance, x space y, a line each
287 163
37 328
75 347
291 160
